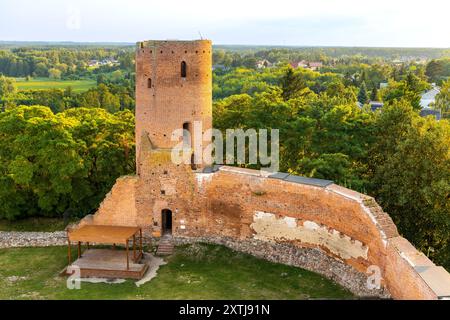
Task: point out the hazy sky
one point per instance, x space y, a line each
412 23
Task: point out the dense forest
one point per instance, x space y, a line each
62 149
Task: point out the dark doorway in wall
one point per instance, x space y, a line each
166 218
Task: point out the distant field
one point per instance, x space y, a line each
45 83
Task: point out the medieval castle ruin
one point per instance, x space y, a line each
309 223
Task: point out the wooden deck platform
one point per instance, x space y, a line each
109 263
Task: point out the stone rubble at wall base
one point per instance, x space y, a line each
310 259
16 239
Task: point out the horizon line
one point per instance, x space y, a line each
222 44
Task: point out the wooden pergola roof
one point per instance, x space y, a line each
103 234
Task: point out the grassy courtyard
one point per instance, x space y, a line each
194 272
46 83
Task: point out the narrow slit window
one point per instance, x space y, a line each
186 135
149 82
183 69
193 164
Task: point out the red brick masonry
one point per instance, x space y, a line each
305 222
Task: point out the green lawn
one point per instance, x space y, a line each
46 83
194 272
33 224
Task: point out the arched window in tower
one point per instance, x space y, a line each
149 83
183 69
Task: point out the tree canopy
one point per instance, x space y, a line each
50 163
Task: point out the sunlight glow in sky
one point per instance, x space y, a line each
392 23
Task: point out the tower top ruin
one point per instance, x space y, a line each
173 90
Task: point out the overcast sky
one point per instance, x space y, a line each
412 23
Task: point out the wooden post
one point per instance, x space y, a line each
79 249
140 240
134 247
128 262
69 253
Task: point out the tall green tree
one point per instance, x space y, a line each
51 163
438 69
39 162
54 73
363 96
7 87
409 89
291 83
443 100
374 96
411 177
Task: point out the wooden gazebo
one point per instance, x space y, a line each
107 262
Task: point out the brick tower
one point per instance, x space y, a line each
173 91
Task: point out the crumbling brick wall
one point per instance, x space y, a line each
244 205
119 205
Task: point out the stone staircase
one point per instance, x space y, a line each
165 245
